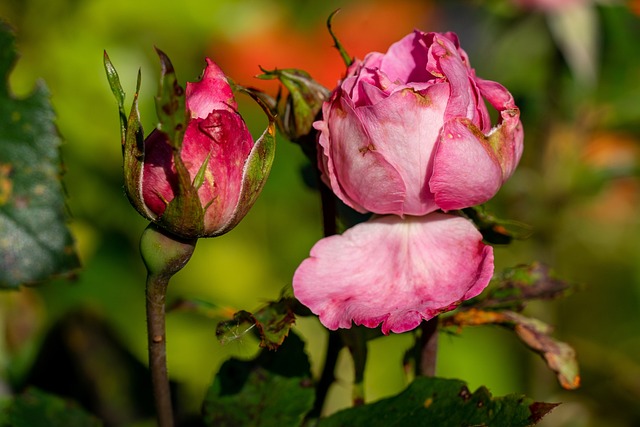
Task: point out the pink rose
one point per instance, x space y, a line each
407 132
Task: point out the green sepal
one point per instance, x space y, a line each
118 92
133 155
132 139
163 253
256 169
348 60
303 104
184 215
170 103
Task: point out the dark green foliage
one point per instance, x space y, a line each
35 408
34 240
443 402
275 389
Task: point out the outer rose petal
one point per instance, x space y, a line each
466 172
361 178
212 92
395 271
404 129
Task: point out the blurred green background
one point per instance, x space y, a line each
574 75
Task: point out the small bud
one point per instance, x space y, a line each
302 105
199 172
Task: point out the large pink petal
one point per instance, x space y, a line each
404 129
394 271
212 92
359 175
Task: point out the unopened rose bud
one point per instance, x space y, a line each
199 172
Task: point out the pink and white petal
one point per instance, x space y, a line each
404 129
394 271
466 171
212 92
358 175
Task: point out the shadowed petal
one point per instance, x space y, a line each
394 271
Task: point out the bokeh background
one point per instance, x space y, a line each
574 71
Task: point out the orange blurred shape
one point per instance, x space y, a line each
608 150
361 27
617 202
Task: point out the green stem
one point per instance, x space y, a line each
328 373
164 254
156 293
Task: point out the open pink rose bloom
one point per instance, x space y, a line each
404 135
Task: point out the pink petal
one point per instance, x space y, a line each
394 271
507 139
446 61
224 137
470 167
212 92
404 129
406 60
359 176
466 172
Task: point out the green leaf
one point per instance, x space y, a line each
35 243
35 408
273 390
272 323
443 402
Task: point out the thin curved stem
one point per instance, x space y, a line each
156 295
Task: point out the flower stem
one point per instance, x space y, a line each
328 373
156 293
426 365
164 255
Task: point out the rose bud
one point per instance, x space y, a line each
408 132
199 172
